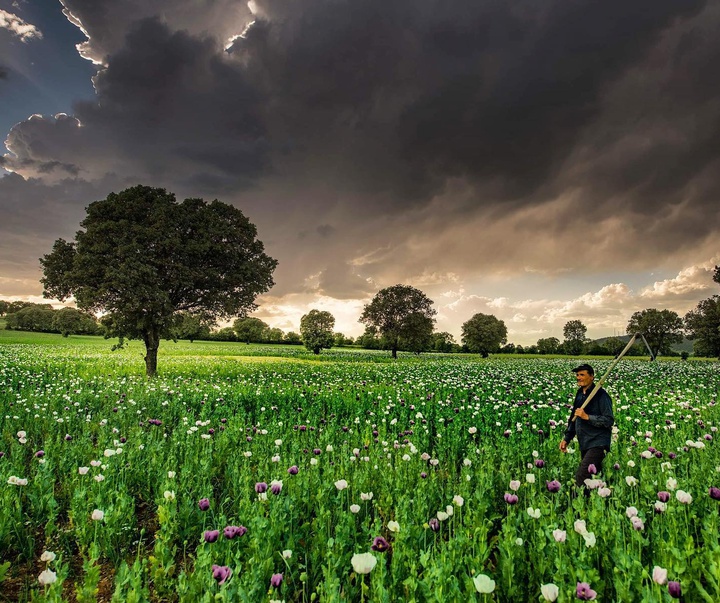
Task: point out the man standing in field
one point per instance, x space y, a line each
592 425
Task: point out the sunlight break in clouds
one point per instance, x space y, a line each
22 29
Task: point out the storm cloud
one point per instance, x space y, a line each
415 141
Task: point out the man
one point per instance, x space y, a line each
592 425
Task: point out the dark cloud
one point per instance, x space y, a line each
3 73
434 137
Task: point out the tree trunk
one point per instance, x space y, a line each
394 352
152 343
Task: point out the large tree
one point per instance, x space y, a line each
703 326
484 334
574 333
142 257
393 313
661 328
316 330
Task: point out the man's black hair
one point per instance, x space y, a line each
584 367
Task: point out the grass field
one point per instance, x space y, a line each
265 473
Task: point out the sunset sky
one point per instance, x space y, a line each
541 161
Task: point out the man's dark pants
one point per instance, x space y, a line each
591 456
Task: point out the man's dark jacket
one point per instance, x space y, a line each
594 432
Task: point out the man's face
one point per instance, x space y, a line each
583 378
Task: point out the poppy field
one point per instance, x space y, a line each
276 476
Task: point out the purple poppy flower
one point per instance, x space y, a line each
380 544
2 454
276 580
714 493
672 455
423 474
39 454
584 592
261 487
123 439
553 486
204 504
221 573
434 524
674 589
539 463
592 469
68 437
511 499
231 532
293 470
663 496
276 487
658 454
506 433
211 535
616 466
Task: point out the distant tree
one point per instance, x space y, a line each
70 321
661 329
369 340
443 342
292 338
316 330
532 349
519 349
224 334
4 307
190 326
614 345
548 345
574 333
32 317
142 258
484 334
250 330
393 312
15 306
716 275
339 340
703 326
273 335
417 335
508 348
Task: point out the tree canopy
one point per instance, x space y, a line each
316 330
141 258
250 329
398 313
661 328
703 326
574 333
484 334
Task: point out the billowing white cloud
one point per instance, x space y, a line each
19 27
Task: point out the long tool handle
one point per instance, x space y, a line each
607 372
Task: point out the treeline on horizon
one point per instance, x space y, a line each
43 318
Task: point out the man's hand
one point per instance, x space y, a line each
581 414
563 446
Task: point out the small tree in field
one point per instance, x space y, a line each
484 334
394 313
316 330
250 329
574 333
142 258
661 329
548 345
